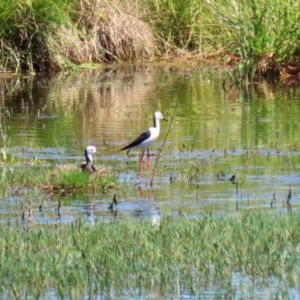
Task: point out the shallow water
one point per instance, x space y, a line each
212 133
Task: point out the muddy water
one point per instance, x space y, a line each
213 132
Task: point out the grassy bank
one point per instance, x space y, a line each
47 35
254 38
136 258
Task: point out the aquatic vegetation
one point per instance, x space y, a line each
75 181
177 256
55 180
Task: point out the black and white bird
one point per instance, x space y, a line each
88 164
147 138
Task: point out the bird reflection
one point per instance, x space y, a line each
150 208
89 209
113 206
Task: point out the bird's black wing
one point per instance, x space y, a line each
144 136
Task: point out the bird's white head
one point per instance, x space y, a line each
158 115
89 151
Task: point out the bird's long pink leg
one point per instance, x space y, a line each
148 160
140 162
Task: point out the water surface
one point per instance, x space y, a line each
214 131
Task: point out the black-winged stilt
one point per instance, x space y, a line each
146 138
88 164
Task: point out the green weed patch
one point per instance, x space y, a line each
178 255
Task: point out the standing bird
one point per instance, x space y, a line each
146 138
87 165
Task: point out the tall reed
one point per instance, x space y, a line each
260 35
182 25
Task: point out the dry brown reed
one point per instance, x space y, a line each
106 31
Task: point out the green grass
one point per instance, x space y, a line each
44 35
137 257
262 34
27 26
75 181
182 24
53 180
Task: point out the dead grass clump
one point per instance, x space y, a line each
104 31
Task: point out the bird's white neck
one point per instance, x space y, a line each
88 158
156 123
